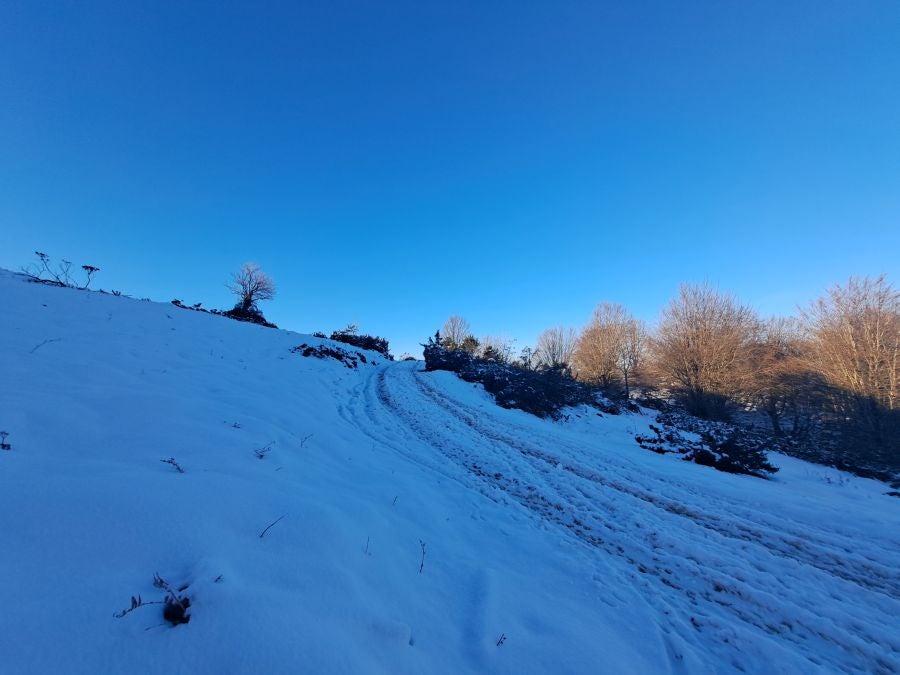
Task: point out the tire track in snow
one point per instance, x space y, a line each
499 461
797 546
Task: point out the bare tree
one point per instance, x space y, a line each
251 285
855 332
610 348
555 347
455 330
702 349
596 355
497 348
526 358
784 385
631 350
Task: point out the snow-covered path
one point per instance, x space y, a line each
763 585
416 526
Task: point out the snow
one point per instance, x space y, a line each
586 552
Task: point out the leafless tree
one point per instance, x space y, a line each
596 355
702 348
631 352
251 285
526 358
610 348
455 330
497 347
555 347
855 332
783 383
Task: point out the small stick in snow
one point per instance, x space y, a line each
45 342
3 444
394 503
135 603
501 640
269 526
366 549
305 438
263 451
172 461
422 564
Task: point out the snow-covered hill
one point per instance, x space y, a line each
417 526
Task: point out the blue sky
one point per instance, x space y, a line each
392 163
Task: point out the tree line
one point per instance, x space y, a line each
824 381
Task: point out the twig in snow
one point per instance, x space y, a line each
3 444
269 526
502 639
394 503
172 461
422 564
366 549
263 451
305 438
135 603
36 347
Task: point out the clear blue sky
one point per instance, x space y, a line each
391 163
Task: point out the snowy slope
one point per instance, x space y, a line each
587 553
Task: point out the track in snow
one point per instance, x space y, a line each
726 576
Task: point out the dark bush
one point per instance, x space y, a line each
326 352
541 393
720 446
734 454
350 336
251 315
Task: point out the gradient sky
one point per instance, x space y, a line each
391 163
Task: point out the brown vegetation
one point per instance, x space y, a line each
825 386
703 349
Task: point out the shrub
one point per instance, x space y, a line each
251 315
721 446
326 352
351 336
541 393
